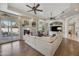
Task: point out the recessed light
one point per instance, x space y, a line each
76 9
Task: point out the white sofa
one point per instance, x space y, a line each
45 45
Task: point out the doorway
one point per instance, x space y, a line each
9 28
71 32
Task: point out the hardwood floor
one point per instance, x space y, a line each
20 48
68 47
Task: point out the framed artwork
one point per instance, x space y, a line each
25 23
33 24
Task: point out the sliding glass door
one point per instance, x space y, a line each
9 29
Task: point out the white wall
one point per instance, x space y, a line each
77 28
65 29
71 20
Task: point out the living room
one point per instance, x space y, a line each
41 27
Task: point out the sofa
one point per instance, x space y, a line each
45 45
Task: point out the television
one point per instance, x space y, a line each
56 28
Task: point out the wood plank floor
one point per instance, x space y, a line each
68 47
20 48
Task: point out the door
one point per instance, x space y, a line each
9 30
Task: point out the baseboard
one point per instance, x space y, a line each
9 42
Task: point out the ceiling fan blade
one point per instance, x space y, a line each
29 10
37 5
39 10
29 6
35 11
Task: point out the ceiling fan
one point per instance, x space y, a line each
34 8
54 18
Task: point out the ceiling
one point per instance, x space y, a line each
55 8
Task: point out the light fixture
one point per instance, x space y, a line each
59 28
28 28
